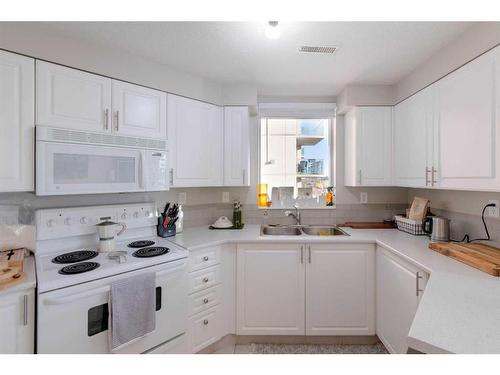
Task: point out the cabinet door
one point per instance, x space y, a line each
17 122
195 133
139 111
72 99
17 323
397 299
413 139
469 136
374 145
270 290
236 147
340 292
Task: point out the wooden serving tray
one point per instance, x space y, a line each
478 255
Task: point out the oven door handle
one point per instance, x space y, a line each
74 297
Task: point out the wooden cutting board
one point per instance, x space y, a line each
367 225
478 255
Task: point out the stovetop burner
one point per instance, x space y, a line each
76 268
141 243
75 256
153 251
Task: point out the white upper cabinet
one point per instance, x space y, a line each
72 99
414 132
195 133
340 292
17 122
399 288
469 125
139 111
368 145
236 147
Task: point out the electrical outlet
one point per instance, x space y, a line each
493 211
363 197
225 197
182 197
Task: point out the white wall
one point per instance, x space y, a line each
27 39
364 95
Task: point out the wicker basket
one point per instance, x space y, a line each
409 226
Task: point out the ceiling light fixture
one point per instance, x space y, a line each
273 30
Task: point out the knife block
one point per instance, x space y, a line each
164 232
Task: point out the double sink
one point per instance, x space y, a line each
299 230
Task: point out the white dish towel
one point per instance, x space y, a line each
132 306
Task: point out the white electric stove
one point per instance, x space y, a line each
74 279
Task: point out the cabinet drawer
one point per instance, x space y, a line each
204 300
204 329
204 279
204 258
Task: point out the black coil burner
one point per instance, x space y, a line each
141 243
76 268
153 251
75 256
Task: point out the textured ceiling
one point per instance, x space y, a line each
228 52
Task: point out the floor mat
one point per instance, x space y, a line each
378 348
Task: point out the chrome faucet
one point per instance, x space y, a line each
295 215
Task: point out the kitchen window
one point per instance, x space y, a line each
295 162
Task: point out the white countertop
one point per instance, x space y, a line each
459 311
29 282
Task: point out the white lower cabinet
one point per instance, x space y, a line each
17 322
294 289
270 289
211 283
340 289
399 288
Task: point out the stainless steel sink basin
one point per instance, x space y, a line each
320 230
279 231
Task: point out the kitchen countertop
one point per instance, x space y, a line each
29 282
459 311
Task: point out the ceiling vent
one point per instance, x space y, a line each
317 49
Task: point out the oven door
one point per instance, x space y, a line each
75 319
63 168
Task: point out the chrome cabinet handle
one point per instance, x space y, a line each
25 315
427 171
309 248
205 258
302 254
205 322
205 300
244 176
117 116
205 279
417 283
106 116
433 179
359 176
171 176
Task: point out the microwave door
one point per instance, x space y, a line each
156 170
64 168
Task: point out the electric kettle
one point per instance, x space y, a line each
438 228
107 230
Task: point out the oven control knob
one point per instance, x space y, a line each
68 221
51 223
124 215
136 215
84 220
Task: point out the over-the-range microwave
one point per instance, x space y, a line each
78 162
